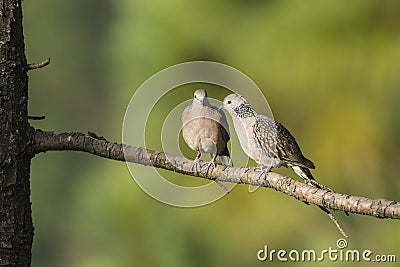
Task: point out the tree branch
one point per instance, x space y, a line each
379 208
39 65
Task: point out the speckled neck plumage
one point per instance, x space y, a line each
245 111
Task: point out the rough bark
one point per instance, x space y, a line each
16 230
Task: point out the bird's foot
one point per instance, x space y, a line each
208 166
211 163
257 180
264 168
196 165
263 175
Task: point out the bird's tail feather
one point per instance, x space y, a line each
303 172
308 178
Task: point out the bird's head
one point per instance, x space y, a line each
200 97
238 106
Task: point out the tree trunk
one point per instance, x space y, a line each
16 230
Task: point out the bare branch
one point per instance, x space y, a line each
379 208
36 118
39 65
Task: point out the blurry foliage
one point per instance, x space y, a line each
329 69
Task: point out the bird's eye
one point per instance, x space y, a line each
229 102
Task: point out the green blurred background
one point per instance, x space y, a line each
329 69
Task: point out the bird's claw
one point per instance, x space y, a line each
264 168
195 166
207 167
259 177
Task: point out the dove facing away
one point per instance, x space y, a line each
205 129
266 141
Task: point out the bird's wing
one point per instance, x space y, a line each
265 136
217 116
275 141
288 149
223 124
186 114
